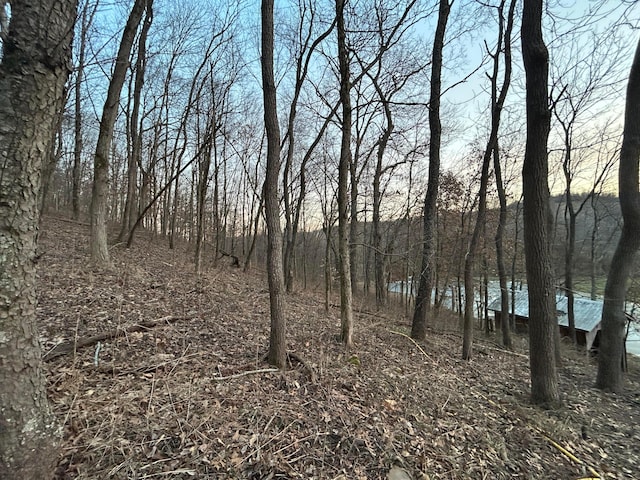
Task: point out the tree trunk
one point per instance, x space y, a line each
49 166
292 215
502 270
497 102
86 20
346 296
610 372
514 260
543 326
34 69
502 197
353 223
423 297
379 254
135 156
99 247
592 250
277 341
204 164
568 266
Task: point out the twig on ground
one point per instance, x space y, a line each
415 343
248 372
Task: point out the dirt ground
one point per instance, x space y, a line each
182 391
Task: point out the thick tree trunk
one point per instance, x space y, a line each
277 341
610 372
34 69
99 196
423 297
346 296
543 325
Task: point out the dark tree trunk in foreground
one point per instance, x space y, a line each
99 194
423 296
34 69
543 325
346 297
610 373
277 341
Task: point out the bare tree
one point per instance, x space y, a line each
86 20
306 46
99 199
491 151
589 81
134 155
36 56
610 375
502 197
423 296
543 326
277 341
346 296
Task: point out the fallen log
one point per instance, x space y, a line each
73 346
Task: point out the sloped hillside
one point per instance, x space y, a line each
156 373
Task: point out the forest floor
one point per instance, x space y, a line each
182 390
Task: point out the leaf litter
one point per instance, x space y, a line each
183 391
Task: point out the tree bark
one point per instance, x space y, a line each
502 270
610 373
543 325
86 20
277 341
202 184
99 247
423 296
592 250
135 155
346 295
502 198
497 102
34 69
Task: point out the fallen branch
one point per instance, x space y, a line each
72 346
415 343
502 350
70 220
